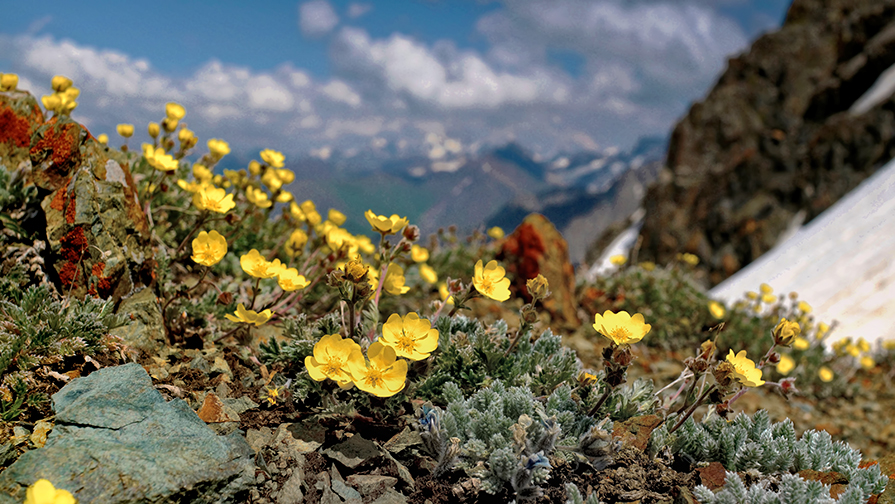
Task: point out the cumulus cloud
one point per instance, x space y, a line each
637 67
316 18
409 67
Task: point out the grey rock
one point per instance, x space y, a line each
368 484
116 440
353 452
291 493
391 496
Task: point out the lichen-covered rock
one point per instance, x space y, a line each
536 247
95 225
20 115
116 440
780 138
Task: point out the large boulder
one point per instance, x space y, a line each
536 247
782 136
117 440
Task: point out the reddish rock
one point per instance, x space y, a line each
712 476
536 247
20 115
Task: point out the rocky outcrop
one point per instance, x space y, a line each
116 439
778 140
536 247
91 228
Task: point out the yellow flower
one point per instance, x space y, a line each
256 265
852 350
411 337
271 180
8 82
383 375
445 294
157 158
752 295
249 316
153 129
867 362
825 374
310 210
586 379
213 198
337 238
286 175
419 254
618 260
218 148
364 244
385 225
103 138
43 492
889 344
745 371
296 242
336 217
202 173
491 281
717 309
766 289
258 197
800 343
496 233
863 346
273 158
209 248
786 365
60 83
804 307
125 130
768 298
186 135
786 331
648 265
428 274
394 280
822 329
272 395
688 258
174 111
284 197
51 102
290 280
331 359
621 327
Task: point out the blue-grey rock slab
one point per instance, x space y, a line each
116 440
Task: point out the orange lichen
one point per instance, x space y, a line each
73 245
69 207
14 128
521 252
60 142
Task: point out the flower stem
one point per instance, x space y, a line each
593 411
690 411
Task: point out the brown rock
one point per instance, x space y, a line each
775 137
712 476
636 431
536 247
214 411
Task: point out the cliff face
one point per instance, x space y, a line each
780 138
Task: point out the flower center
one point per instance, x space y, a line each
405 342
621 334
333 367
374 378
487 284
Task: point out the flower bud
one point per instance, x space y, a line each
538 287
153 129
169 124
785 332
774 358
225 298
412 233
8 82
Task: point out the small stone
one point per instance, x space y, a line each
368 484
391 497
353 452
220 366
291 492
259 438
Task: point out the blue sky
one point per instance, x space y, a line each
446 78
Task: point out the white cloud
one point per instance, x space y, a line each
356 9
341 92
317 18
265 93
409 67
109 71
